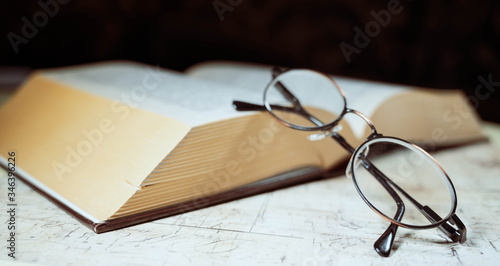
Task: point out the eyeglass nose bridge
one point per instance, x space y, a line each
373 133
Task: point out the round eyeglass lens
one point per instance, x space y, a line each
389 172
304 99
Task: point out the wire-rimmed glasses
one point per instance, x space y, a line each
397 179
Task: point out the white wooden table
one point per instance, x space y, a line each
319 223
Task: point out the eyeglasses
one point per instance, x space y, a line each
398 180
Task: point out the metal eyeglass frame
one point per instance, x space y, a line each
450 225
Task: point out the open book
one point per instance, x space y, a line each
120 143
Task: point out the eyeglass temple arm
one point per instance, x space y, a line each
284 91
456 235
384 243
276 70
292 98
287 94
341 140
244 106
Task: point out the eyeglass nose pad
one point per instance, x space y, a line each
324 134
363 153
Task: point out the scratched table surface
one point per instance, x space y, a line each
319 223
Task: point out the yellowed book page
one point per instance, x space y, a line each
235 152
81 147
429 118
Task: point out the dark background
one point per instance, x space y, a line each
439 44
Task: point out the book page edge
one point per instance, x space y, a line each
33 181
